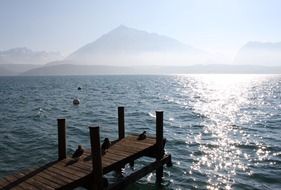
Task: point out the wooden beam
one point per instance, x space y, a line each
159 144
61 139
121 123
97 181
140 173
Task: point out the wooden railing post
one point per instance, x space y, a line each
97 181
121 123
61 139
159 144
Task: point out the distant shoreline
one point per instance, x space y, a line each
72 70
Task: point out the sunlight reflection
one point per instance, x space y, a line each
220 99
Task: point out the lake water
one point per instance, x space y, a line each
223 131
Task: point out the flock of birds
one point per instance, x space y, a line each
105 145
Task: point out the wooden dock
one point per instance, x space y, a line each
88 171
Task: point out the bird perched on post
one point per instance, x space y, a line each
105 145
142 136
78 152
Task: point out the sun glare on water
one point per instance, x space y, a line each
221 100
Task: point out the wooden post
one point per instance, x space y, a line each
159 144
121 123
61 139
97 181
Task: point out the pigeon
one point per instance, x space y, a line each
78 152
142 136
105 145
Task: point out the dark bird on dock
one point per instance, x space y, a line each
105 145
142 136
78 152
79 88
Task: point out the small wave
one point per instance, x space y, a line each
151 114
171 119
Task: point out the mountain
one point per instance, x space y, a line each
17 60
24 55
66 68
259 53
15 69
128 46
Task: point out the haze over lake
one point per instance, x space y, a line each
213 67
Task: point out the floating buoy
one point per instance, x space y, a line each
76 101
79 88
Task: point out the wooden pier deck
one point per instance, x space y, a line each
88 170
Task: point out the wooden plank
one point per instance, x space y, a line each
128 148
38 184
12 179
149 141
45 178
3 183
77 170
141 143
28 186
29 181
83 167
15 188
12 182
130 151
68 178
114 157
106 162
58 175
70 170
120 153
46 181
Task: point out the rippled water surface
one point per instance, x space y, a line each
223 131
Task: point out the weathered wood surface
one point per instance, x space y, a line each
69 173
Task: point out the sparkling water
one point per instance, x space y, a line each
223 131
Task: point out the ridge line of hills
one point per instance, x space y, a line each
126 50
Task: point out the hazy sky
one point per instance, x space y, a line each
64 25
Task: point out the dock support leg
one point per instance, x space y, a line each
97 181
121 123
61 139
159 145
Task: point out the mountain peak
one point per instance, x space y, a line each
122 27
124 41
259 53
